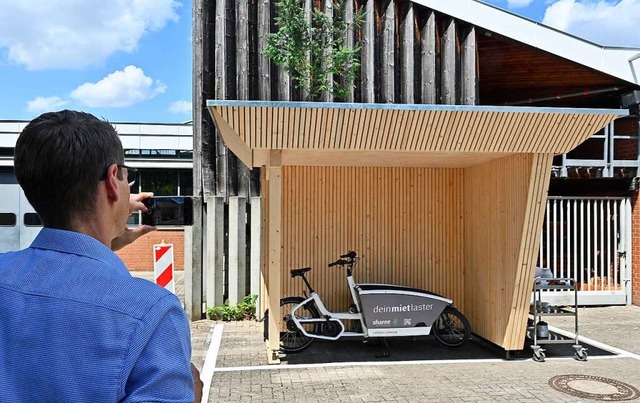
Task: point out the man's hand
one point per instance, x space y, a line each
129 235
197 384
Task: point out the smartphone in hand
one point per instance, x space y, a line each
168 211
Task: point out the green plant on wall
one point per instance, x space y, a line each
314 53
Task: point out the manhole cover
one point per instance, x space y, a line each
594 387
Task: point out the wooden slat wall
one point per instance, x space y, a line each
406 223
523 283
503 204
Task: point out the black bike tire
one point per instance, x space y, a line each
304 341
440 336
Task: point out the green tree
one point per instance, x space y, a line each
314 53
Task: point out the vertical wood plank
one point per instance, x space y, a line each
469 73
327 96
448 77
264 64
348 14
428 60
407 34
388 53
368 53
306 85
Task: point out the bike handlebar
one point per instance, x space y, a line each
349 255
338 262
347 258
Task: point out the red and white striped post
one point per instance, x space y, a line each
163 266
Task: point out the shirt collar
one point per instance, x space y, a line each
78 244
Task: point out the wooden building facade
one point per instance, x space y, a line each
412 189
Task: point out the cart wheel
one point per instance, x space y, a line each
581 355
539 356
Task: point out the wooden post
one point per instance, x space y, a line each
428 60
407 83
448 85
368 50
469 78
274 172
237 249
242 48
264 64
348 42
256 252
203 141
327 95
388 53
215 251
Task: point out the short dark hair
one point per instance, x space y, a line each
59 159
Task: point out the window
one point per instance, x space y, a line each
159 181
7 220
159 154
32 220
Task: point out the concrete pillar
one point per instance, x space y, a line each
256 251
193 264
237 248
215 251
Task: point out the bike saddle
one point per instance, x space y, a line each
299 272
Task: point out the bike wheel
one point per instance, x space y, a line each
291 338
452 328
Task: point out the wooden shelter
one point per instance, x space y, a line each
441 197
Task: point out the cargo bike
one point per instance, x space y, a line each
377 311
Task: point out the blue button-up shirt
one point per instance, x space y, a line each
75 326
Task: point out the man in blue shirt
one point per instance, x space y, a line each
75 326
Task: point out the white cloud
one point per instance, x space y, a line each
611 23
519 3
78 33
181 107
119 89
45 104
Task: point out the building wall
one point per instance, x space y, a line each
139 255
635 250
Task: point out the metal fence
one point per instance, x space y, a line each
589 240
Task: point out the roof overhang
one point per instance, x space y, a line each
342 134
620 62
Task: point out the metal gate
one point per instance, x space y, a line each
588 239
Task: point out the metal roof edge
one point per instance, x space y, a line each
418 107
619 62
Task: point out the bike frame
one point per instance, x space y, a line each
328 315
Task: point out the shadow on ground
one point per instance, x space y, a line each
419 348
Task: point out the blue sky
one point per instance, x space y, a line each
130 60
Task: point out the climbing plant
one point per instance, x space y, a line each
314 53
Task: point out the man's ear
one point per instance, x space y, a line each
111 183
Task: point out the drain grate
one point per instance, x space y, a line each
594 387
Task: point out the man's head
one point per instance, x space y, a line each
60 158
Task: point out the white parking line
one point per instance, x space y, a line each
619 353
594 343
210 362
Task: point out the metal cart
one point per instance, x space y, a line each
539 310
